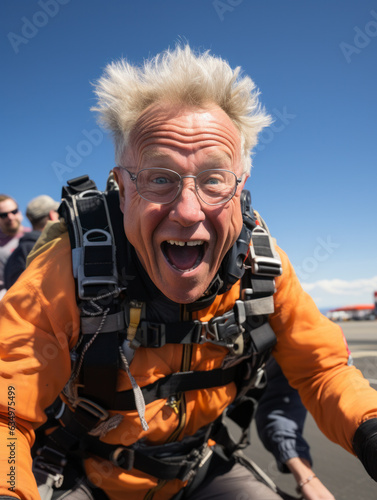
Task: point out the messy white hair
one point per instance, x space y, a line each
180 77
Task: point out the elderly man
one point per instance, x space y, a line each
11 231
39 211
154 321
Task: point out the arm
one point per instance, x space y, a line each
313 356
14 266
280 418
309 486
37 330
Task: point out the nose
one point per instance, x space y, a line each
187 207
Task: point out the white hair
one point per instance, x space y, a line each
180 77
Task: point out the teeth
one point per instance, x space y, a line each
188 243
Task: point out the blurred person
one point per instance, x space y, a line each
39 211
11 231
280 418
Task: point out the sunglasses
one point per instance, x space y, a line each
4 215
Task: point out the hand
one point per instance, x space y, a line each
315 490
312 489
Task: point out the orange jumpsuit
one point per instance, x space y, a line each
39 324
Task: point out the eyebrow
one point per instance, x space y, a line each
211 157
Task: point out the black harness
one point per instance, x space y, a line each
112 297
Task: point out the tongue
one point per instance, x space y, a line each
183 257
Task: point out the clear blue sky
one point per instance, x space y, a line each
314 176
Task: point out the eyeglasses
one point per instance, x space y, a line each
4 215
214 186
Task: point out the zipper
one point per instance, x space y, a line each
177 402
174 404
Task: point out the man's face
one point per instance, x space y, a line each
181 244
11 223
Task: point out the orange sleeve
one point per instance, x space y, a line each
39 324
313 355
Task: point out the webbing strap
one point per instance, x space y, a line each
100 369
113 323
175 383
261 306
67 437
151 334
263 337
93 247
78 185
135 316
170 461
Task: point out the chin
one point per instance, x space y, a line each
184 294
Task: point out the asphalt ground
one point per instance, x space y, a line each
341 472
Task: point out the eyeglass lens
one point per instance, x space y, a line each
3 215
214 186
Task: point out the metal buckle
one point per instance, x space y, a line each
78 264
125 462
229 324
91 407
261 265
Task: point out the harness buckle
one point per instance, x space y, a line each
229 324
93 238
151 334
123 457
92 408
263 265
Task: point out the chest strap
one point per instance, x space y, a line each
175 383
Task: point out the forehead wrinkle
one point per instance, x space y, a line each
157 130
176 140
213 157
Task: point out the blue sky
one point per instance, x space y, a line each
314 175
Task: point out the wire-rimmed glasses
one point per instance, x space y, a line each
214 186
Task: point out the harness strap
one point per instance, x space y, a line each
172 461
135 316
241 413
113 323
220 329
52 457
178 460
150 334
264 338
173 384
78 185
261 306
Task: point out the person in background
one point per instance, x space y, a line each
39 211
280 418
11 231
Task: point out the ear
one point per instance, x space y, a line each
241 185
53 215
119 180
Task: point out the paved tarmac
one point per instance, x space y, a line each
342 473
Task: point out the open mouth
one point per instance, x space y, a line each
183 255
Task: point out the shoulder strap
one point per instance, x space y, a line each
93 240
